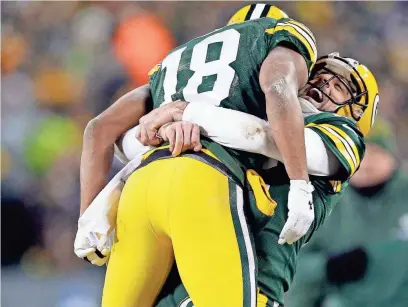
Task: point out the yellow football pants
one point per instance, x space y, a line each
183 209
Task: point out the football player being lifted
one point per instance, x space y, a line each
339 105
191 207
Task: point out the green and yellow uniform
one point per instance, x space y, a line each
192 206
222 68
364 240
277 263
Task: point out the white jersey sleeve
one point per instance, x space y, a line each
128 146
245 132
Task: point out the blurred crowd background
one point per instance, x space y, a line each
62 63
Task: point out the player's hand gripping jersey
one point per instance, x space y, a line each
222 68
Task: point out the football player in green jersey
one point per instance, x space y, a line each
256 67
338 85
334 147
288 28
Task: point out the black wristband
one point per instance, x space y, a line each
347 267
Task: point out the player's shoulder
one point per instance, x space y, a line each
295 34
333 119
322 117
342 137
269 22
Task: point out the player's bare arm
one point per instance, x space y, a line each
282 74
100 135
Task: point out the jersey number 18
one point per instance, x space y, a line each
220 67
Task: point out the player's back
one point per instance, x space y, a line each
222 67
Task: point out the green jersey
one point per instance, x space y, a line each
277 263
222 68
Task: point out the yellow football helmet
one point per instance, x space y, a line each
359 81
255 11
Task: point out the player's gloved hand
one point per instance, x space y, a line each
182 136
96 231
93 247
301 212
151 122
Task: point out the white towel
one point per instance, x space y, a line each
97 224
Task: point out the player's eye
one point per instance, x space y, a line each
338 87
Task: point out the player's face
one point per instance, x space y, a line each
333 87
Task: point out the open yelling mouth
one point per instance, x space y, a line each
314 94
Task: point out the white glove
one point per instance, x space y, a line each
89 247
301 212
96 226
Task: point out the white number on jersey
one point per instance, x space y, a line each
221 68
171 62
